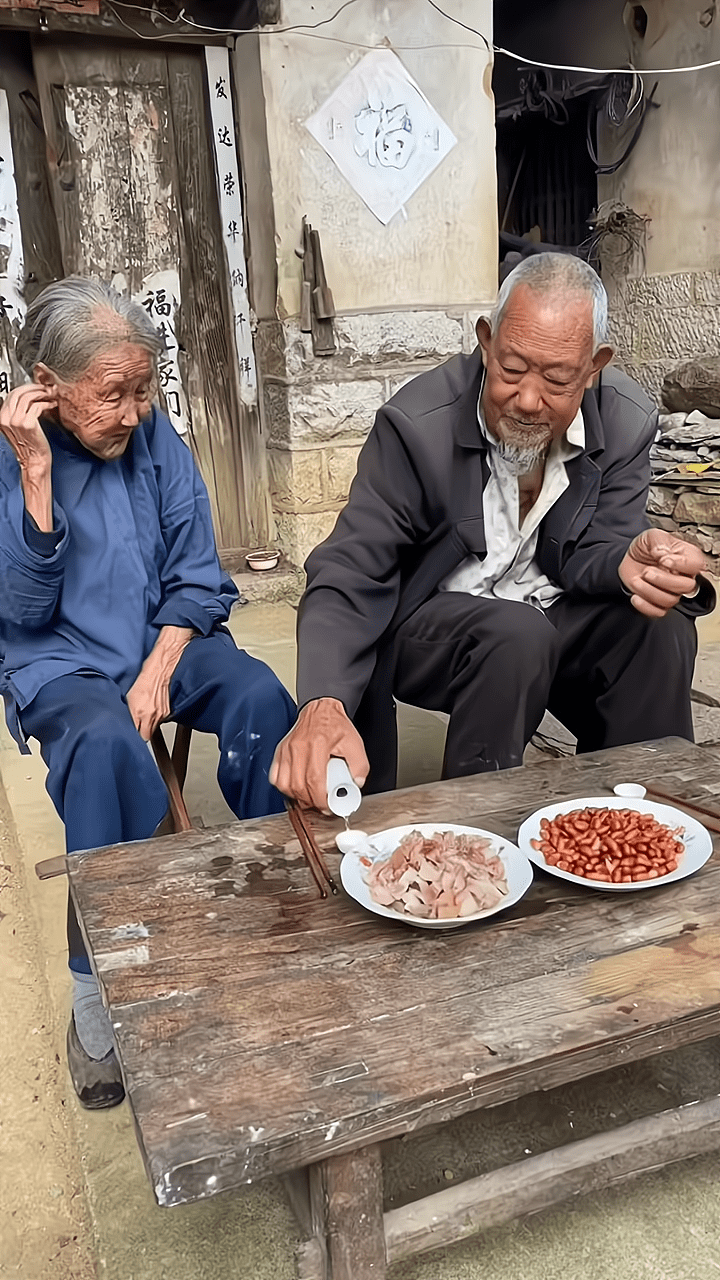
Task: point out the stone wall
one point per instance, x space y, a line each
320 409
684 499
669 311
660 321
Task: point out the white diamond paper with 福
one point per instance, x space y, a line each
381 132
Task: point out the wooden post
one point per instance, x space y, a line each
354 1215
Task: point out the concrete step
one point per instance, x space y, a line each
270 586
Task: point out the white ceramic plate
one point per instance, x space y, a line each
352 872
697 841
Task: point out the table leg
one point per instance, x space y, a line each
349 1188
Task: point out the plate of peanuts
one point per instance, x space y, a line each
612 843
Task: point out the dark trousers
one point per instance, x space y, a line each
102 778
610 675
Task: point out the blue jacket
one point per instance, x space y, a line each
133 550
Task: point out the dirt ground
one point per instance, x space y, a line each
45 1229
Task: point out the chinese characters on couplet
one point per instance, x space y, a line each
230 195
156 303
160 298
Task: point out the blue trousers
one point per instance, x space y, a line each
102 778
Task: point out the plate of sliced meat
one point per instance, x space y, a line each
436 875
612 843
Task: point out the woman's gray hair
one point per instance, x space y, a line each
74 320
559 274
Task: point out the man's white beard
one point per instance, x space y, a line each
521 459
527 451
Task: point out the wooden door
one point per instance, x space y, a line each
29 247
136 203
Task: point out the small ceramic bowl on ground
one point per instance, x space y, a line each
260 561
380 846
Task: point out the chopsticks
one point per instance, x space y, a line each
310 849
710 818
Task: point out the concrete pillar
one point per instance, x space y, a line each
407 294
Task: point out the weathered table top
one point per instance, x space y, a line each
262 1029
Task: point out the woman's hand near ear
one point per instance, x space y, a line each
20 416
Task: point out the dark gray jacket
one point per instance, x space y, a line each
416 511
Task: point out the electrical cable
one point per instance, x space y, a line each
239 31
309 28
617 164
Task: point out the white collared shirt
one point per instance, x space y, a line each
509 571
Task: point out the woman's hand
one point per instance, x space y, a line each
20 416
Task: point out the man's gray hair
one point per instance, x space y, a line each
73 321
559 274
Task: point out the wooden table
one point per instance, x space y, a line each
264 1031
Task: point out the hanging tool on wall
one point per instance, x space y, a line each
316 305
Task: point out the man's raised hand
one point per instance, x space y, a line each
299 769
658 569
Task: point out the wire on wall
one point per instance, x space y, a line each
310 29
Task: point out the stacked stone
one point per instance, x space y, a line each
688 504
319 410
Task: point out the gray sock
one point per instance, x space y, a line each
91 1018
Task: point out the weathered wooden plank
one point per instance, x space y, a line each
318 1217
291 1095
225 433
108 25
541 1181
503 799
295 1186
355 1229
134 194
321 1098
41 247
310 1260
106 115
48 868
262 1029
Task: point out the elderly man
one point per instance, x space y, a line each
112 601
493 560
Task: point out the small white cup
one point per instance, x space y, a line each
630 790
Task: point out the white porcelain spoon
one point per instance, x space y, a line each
352 841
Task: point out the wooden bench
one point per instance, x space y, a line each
264 1031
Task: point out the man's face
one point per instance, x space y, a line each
104 406
539 363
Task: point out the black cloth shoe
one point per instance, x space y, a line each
98 1084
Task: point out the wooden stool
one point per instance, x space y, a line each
173 770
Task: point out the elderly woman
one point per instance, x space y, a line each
112 604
